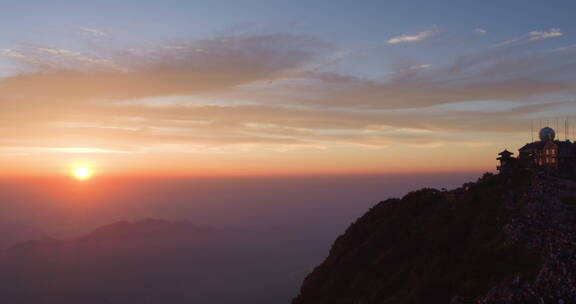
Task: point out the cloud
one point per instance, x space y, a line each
532 37
419 66
262 91
203 66
469 78
539 35
93 32
480 31
202 127
412 38
56 59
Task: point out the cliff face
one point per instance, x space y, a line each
502 239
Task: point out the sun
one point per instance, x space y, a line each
82 173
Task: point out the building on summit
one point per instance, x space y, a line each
546 154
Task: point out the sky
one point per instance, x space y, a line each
184 88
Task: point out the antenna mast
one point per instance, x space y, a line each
566 129
557 128
532 129
570 135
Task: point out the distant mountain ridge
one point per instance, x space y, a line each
503 239
147 228
156 261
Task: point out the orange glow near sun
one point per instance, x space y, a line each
82 173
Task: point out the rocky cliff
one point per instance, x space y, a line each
502 239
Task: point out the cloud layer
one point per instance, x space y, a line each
274 91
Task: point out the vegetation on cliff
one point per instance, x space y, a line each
468 245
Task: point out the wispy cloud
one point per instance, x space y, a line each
194 68
480 31
50 58
533 37
94 32
552 33
419 66
412 38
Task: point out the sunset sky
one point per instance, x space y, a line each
279 87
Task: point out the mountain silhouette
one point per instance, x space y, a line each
502 239
157 261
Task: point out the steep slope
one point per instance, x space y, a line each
503 238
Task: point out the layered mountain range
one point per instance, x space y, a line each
158 261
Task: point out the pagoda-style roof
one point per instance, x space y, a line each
505 153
